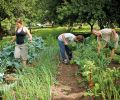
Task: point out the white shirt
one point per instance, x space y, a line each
106 34
108 37
68 36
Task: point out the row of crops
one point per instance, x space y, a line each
102 80
7 53
32 83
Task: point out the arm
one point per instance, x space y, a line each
64 40
112 53
30 36
99 45
114 33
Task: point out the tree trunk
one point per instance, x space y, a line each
52 23
91 26
1 32
80 25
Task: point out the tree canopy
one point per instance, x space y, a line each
105 12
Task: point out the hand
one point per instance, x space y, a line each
65 43
11 42
30 39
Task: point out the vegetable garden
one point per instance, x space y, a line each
34 81
98 77
103 80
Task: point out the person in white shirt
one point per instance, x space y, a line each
110 37
63 40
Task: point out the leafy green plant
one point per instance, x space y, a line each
35 82
118 50
45 32
103 77
7 53
73 46
116 59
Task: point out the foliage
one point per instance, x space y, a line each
13 8
89 11
72 46
35 82
89 45
117 50
116 59
47 10
4 42
105 13
97 65
7 53
46 32
6 24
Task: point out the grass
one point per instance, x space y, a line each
45 32
36 82
85 28
5 41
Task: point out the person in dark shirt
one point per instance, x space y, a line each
21 49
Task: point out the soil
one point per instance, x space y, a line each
114 64
10 70
67 87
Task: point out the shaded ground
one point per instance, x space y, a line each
114 64
68 87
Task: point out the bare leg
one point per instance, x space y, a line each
112 54
24 62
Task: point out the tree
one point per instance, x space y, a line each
46 10
12 9
114 12
84 10
67 14
105 12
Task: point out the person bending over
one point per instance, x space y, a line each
63 40
109 37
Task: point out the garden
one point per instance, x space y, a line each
88 76
100 76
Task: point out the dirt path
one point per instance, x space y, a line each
114 64
68 87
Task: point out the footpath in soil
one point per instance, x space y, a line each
67 87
